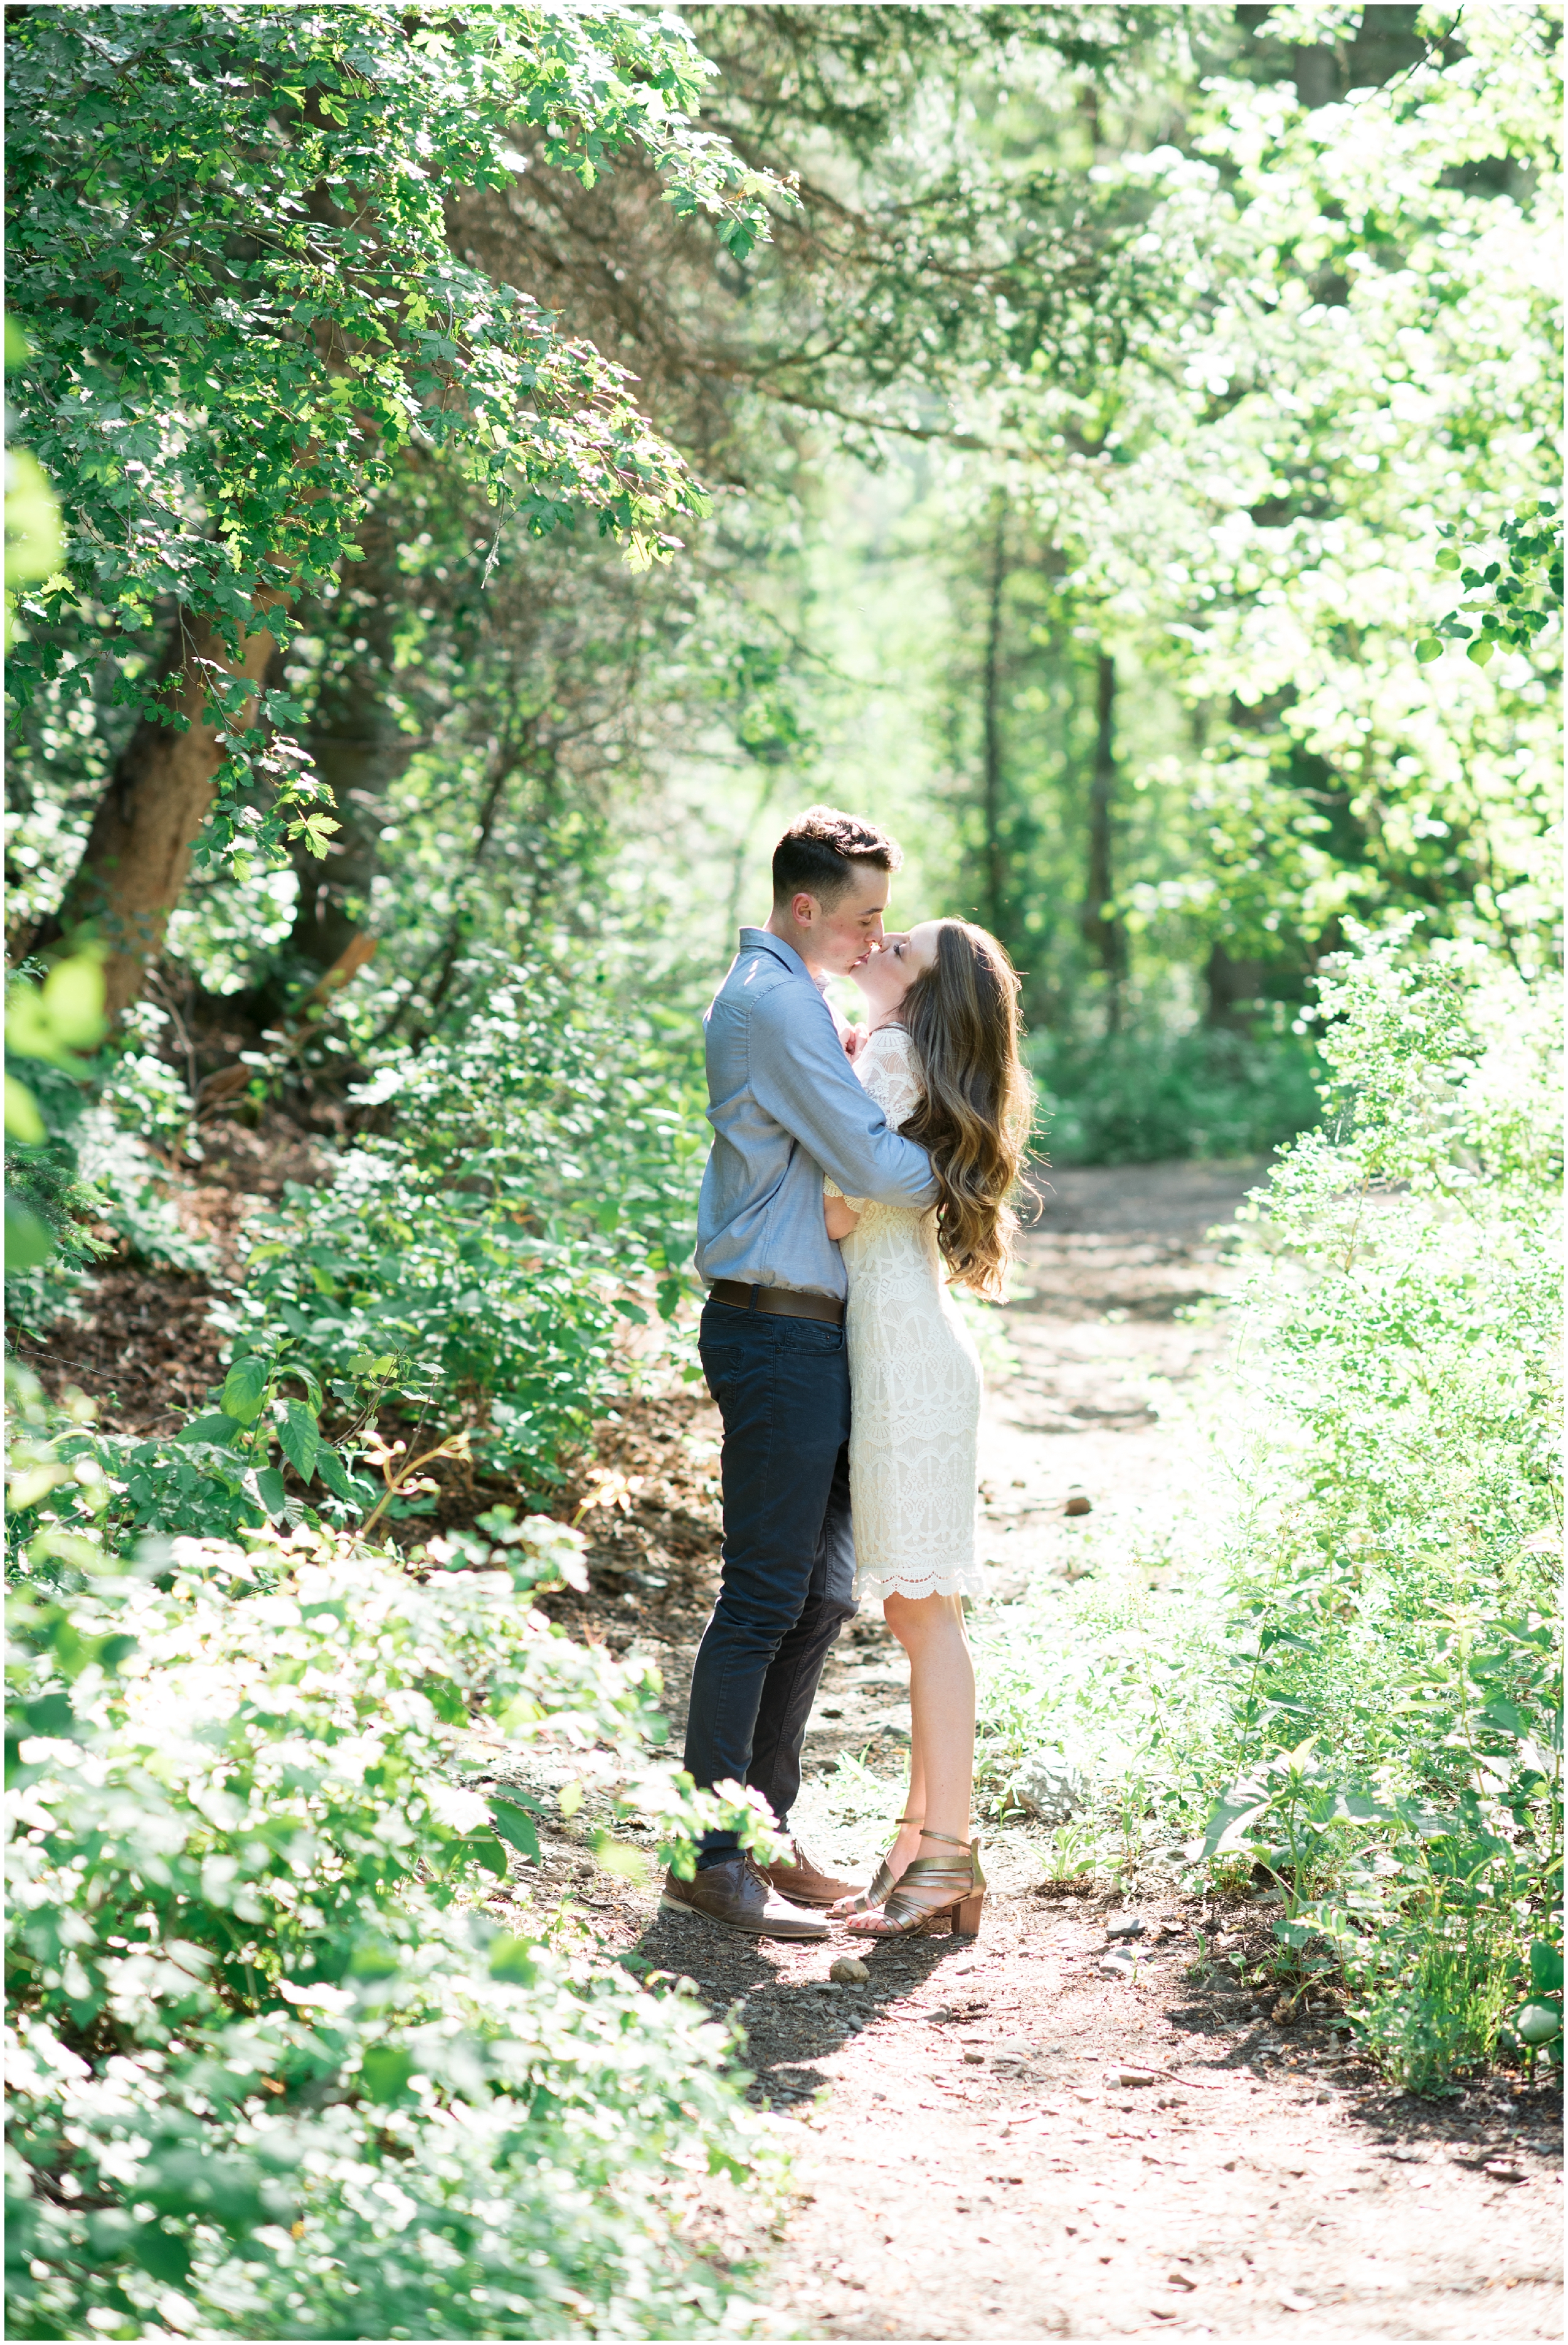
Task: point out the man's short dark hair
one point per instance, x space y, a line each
818 853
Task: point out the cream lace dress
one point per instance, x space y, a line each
914 1378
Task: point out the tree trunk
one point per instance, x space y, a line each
1103 932
134 867
349 744
996 861
357 748
1233 989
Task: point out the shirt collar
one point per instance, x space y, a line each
764 940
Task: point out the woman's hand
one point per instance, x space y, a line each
842 1218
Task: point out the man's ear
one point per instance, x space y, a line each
803 909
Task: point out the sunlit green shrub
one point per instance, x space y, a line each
477 1261
523 1198
1393 1583
1360 1686
287 2061
78 1168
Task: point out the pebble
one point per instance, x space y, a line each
1124 1925
849 1971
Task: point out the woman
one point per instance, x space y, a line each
941 1061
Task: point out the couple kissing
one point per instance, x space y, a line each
855 1176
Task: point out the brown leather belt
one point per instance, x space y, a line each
783 1300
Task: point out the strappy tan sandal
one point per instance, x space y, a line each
931 1890
874 1894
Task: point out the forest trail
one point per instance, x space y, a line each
971 2160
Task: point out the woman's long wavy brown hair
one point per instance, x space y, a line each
962 1016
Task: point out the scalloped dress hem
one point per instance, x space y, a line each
875 1585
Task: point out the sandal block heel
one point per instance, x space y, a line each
966 1914
931 1891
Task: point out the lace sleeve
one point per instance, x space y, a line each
890 1072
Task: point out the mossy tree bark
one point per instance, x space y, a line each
134 867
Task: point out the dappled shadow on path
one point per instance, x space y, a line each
794 2018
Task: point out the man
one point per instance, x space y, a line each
785 1107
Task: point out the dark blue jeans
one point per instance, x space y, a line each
788 1582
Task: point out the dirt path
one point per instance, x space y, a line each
972 2161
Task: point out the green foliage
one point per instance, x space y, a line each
282 2046
230 249
1363 1693
524 1209
47 1028
502 1254
1237 527
1143 1096
1516 595
71 1168
1398 1606
33 544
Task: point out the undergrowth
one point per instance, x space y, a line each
1358 1688
293 2051
1153 1094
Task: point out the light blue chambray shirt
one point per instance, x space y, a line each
785 1107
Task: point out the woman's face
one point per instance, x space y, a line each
888 976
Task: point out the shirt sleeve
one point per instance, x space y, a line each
801 1078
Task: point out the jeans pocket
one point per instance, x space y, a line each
817 1338
722 1363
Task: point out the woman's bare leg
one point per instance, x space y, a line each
906 1841
942 1719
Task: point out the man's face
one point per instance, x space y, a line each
836 938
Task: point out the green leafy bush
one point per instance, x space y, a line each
279 2068
1394 1584
1360 1689
47 1028
76 1159
479 1261
526 1200
1152 1094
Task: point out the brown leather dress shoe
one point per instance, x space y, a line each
803 1881
737 1896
